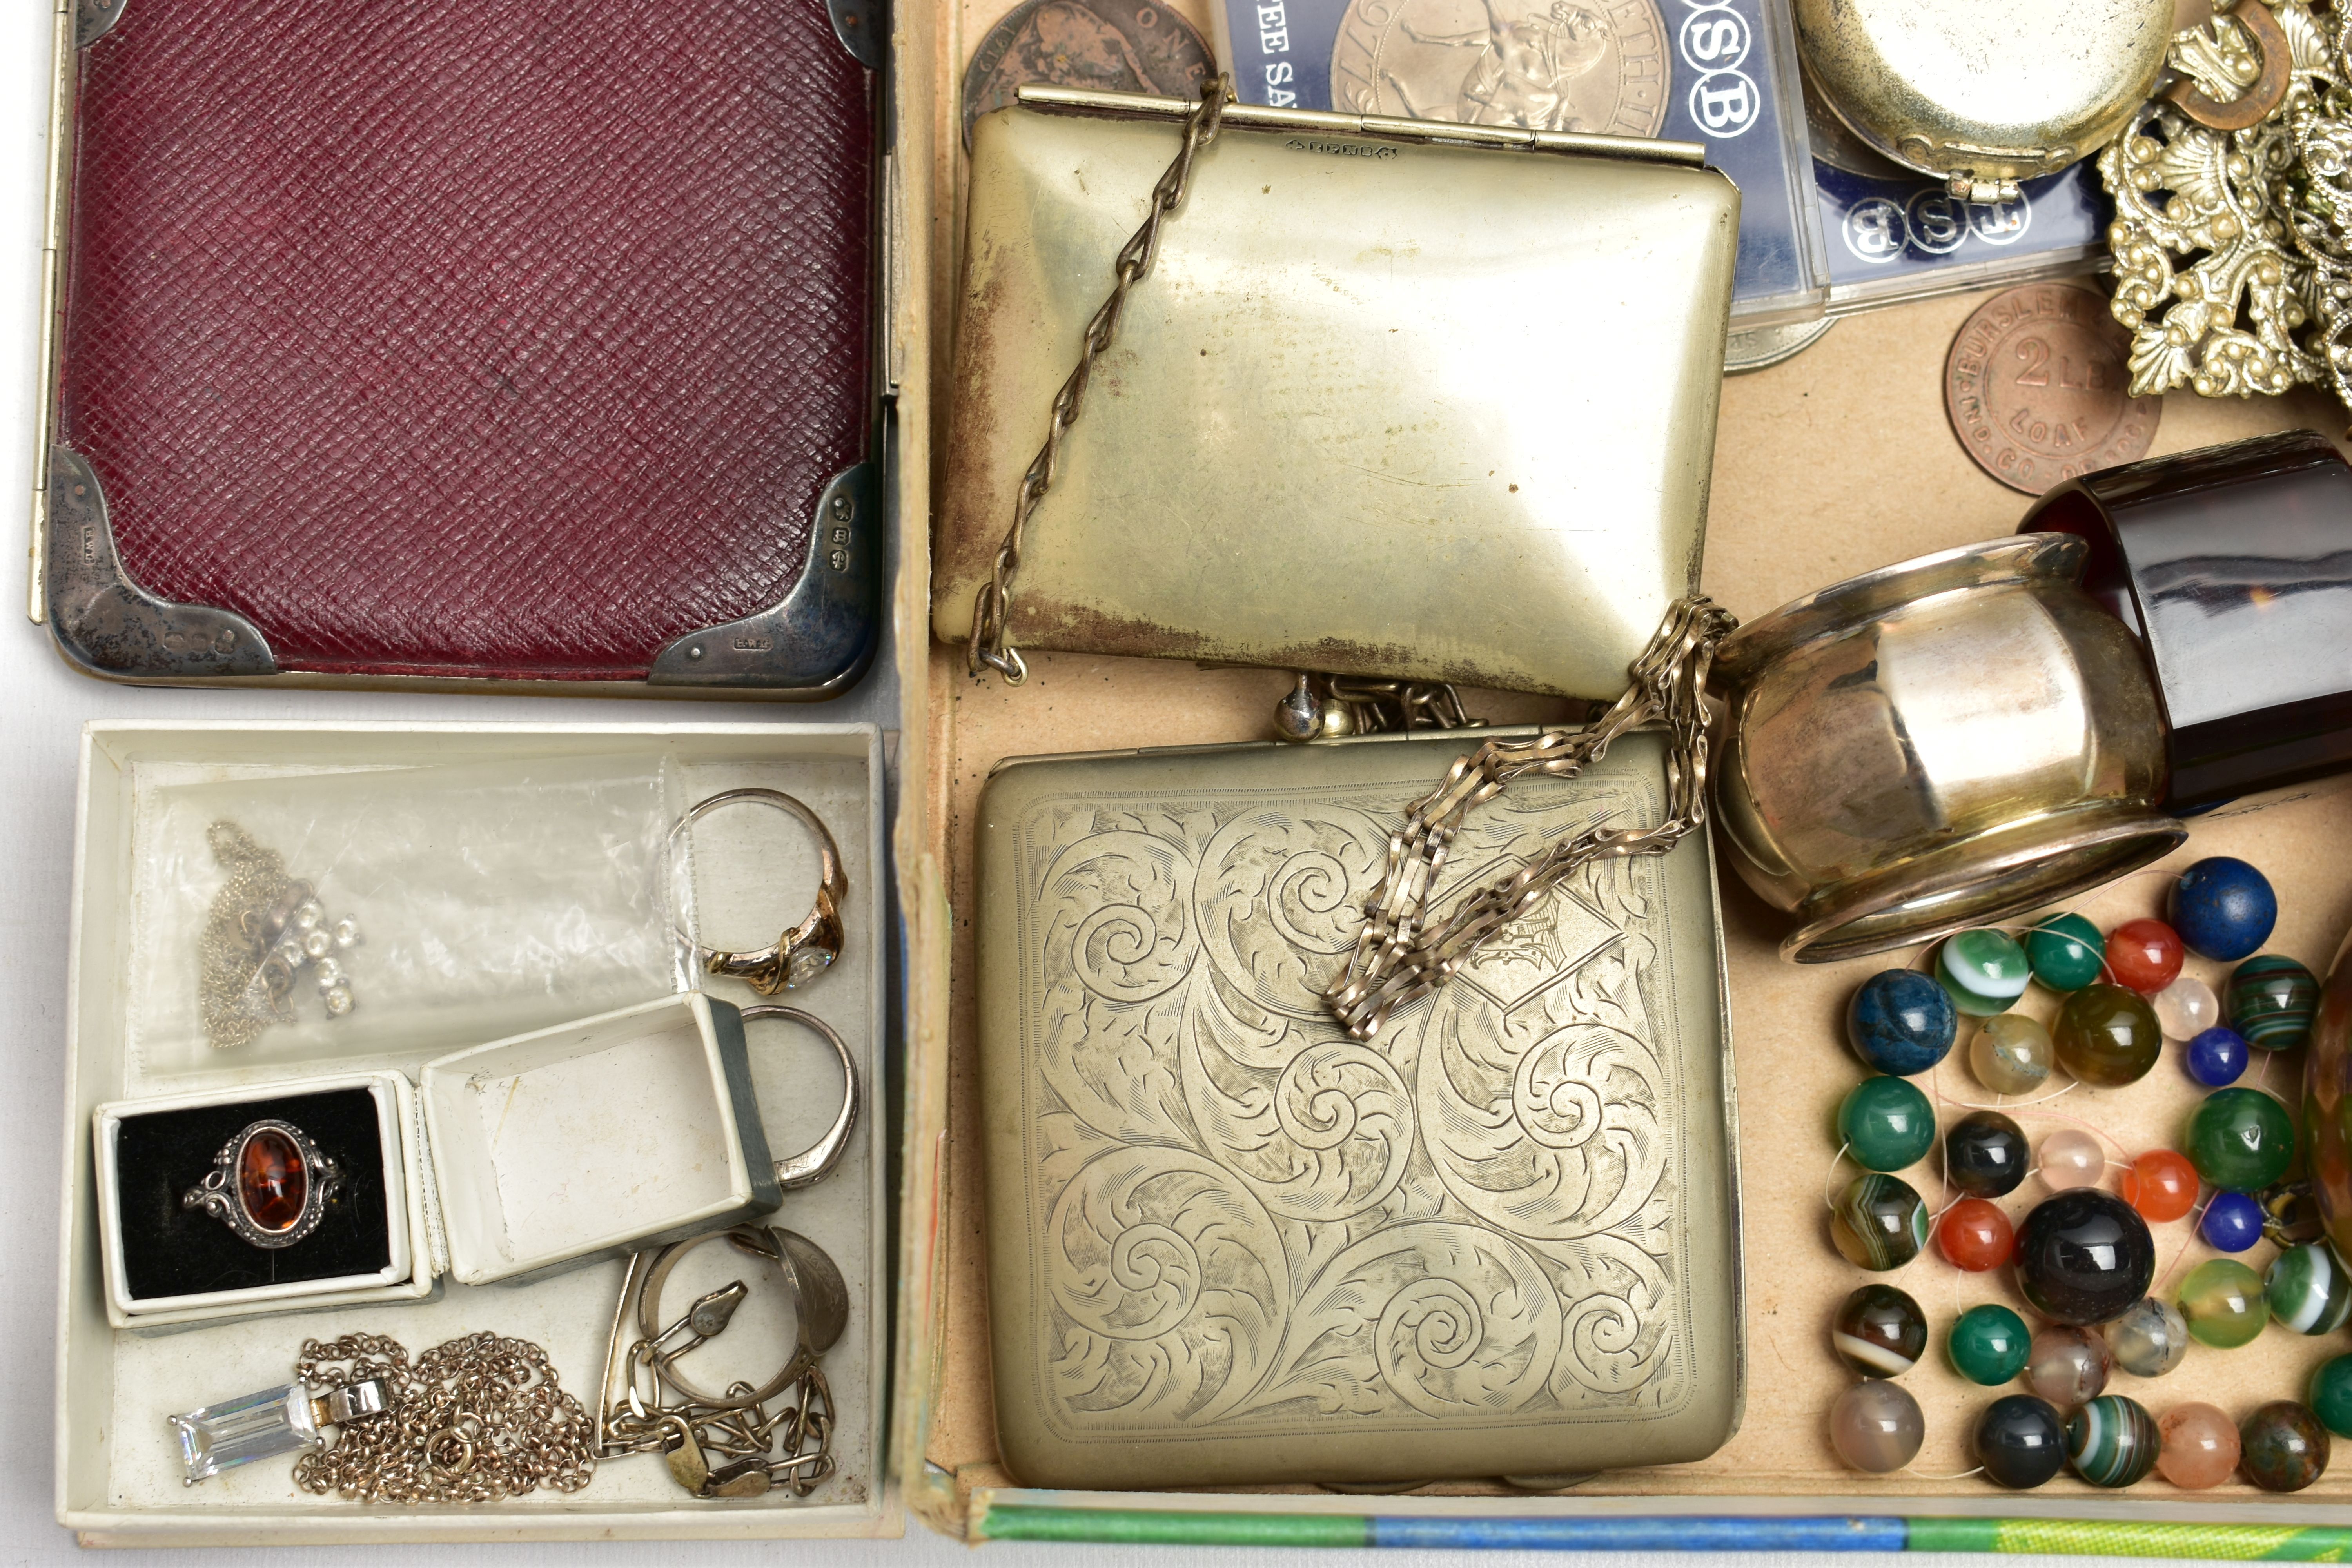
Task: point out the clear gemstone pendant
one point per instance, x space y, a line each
283 1420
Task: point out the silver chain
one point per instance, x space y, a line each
474 1420
989 649
1400 956
1332 707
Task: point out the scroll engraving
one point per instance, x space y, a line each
1241 1221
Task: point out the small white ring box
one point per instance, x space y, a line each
515 1160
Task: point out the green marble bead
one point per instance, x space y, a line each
1878 1223
1983 971
1886 1124
2223 1301
2240 1140
2309 1290
2107 1036
2112 1441
2272 1000
2065 952
2331 1395
1990 1344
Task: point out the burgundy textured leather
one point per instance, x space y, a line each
505 341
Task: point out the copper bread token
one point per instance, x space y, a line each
1115 46
2035 388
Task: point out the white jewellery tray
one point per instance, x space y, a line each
117 1474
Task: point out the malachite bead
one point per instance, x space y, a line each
1990 1344
2272 1000
2112 1441
2107 1036
2065 951
1901 1022
1879 1223
1984 971
1886 1124
2331 1395
2241 1140
2308 1288
2223 1301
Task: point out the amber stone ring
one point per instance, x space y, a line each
270 1183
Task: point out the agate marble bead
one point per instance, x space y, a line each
2150 1338
1989 1345
2241 1140
1986 1154
2233 1222
2217 1057
1984 971
1975 1236
1876 1427
1886 1123
2161 1184
2112 1441
2223 1301
1878 1222
2065 951
2331 1394
2020 1441
2223 907
1879 1332
2200 1447
2069 1158
2011 1054
2067 1366
2282 1447
2084 1256
1901 1022
2308 1289
2144 955
2272 1001
2107 1036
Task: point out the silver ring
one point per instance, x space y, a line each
815 1163
805 951
270 1184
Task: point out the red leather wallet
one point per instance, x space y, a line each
520 343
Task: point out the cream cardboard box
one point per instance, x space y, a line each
1837 461
592 1137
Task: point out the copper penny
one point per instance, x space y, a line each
1115 46
2035 386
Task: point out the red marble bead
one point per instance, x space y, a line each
2144 955
2160 1184
271 1182
1976 1235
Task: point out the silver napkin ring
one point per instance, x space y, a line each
270 1184
815 1163
808 949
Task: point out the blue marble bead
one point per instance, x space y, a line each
2217 1057
2223 908
1901 1022
2233 1222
